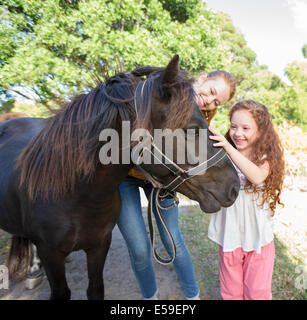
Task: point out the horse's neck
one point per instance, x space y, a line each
113 175
105 182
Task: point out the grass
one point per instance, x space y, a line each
204 253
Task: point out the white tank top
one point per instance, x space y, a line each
244 224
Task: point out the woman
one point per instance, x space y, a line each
212 90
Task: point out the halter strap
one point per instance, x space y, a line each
181 176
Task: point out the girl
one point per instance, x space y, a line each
213 89
244 231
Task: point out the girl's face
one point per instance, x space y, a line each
243 131
211 92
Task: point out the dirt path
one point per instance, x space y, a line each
120 283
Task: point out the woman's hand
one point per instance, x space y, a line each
221 140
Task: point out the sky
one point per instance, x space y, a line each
275 30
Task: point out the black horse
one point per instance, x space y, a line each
56 194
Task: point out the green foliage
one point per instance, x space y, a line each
285 102
304 51
180 10
52 50
297 73
7 106
56 49
221 120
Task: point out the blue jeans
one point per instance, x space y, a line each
132 226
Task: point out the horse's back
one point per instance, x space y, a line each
15 135
19 132
21 125
11 115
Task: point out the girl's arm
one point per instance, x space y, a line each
255 174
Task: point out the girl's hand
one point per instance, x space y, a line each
221 140
255 174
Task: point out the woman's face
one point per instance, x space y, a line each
211 92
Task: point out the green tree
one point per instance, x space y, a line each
297 73
56 49
180 10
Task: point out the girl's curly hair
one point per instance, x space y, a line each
266 148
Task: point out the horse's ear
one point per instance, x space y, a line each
170 73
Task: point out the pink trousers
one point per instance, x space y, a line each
247 275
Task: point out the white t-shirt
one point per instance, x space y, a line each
244 224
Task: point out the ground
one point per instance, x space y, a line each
120 283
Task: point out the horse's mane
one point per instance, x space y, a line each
66 150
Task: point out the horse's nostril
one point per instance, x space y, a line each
233 193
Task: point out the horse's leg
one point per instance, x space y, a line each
54 265
36 274
96 258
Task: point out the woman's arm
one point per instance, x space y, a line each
255 174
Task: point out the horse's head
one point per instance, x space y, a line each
213 181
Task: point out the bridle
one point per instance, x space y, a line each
160 191
180 174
